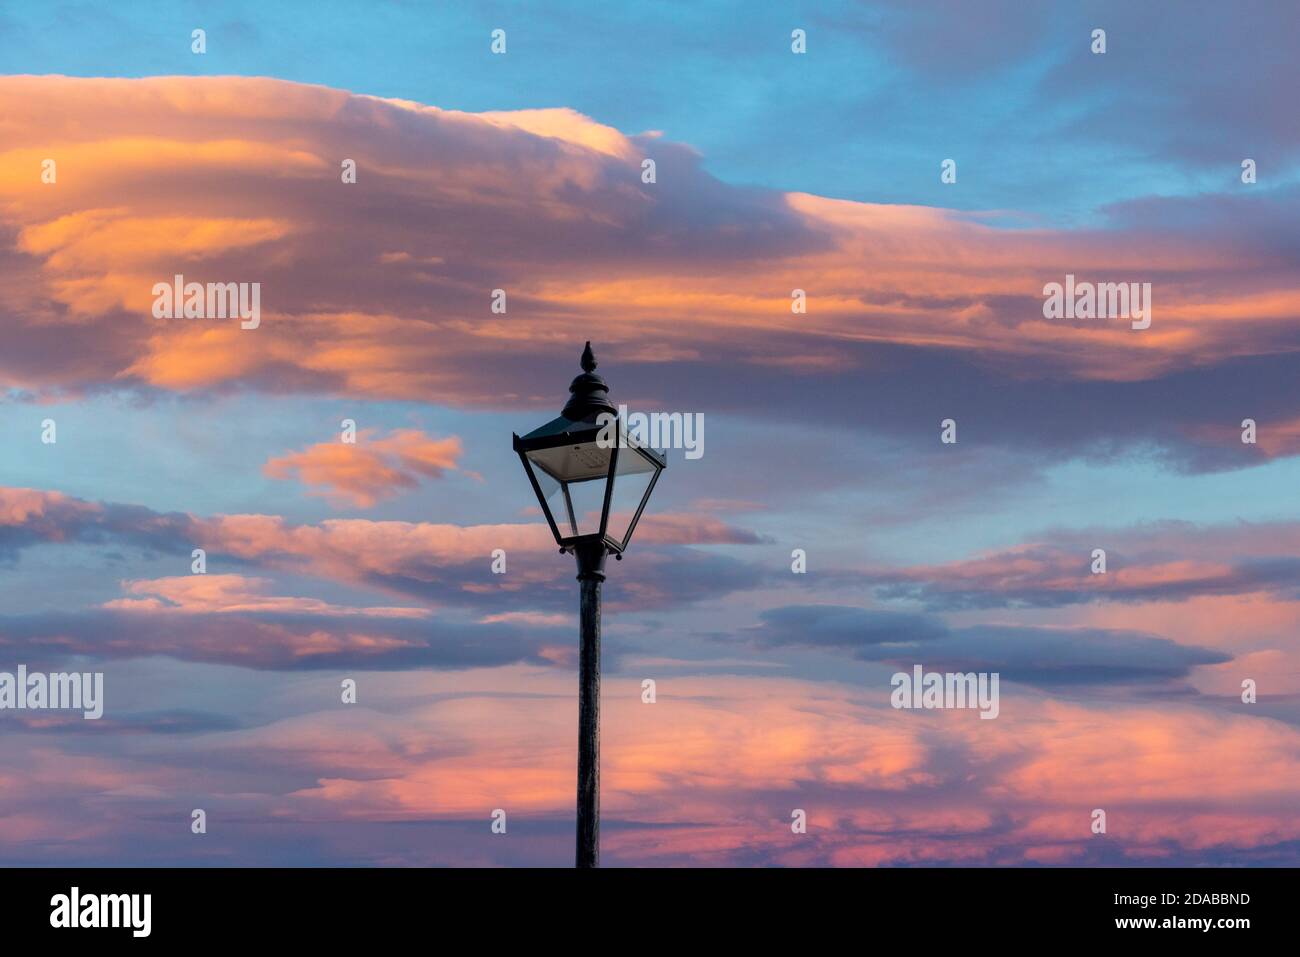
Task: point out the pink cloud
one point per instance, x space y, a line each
718 763
392 556
203 594
1163 560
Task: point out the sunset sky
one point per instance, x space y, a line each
775 171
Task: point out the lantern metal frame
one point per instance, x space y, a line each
563 432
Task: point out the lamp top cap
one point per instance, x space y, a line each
588 393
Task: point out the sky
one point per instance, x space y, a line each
126 159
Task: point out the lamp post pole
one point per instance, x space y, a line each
591 572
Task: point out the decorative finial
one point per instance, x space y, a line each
588 394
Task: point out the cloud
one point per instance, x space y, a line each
381 288
1036 656
1166 561
840 626
528 618
236 593
33 516
371 469
708 775
271 639
428 562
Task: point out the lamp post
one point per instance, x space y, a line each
592 481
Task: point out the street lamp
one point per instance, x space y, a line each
592 481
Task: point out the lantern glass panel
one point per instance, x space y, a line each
573 480
632 477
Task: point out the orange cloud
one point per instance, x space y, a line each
372 468
381 288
